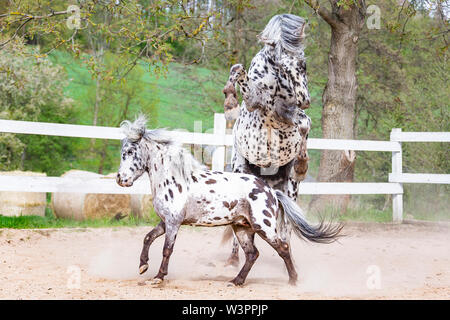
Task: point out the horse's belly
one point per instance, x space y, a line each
262 145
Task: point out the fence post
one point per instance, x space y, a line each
397 199
218 157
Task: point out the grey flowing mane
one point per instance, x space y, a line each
284 32
181 160
135 131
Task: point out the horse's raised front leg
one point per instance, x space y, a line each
301 160
249 93
300 166
148 240
171 235
295 72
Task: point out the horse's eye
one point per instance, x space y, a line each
130 152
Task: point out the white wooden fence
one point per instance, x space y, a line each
221 140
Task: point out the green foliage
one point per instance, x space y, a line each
134 29
184 95
403 80
32 89
122 62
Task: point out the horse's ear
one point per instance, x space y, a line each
269 42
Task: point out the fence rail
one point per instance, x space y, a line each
221 140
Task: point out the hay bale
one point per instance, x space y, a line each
81 206
22 203
141 204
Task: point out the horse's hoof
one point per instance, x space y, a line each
237 69
235 283
293 282
156 282
143 268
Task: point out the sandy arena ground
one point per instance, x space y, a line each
380 261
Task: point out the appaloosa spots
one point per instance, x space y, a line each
230 206
210 181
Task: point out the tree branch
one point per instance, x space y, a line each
15 33
28 17
324 13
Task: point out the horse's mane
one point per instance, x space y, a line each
284 32
135 131
181 159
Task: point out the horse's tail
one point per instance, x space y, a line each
323 233
227 235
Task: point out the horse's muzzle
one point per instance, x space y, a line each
123 182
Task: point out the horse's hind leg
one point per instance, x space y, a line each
148 240
246 238
283 249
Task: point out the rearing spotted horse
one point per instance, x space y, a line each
271 130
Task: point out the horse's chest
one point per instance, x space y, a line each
260 143
169 204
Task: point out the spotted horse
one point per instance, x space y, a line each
184 193
271 128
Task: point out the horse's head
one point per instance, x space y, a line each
133 161
284 33
284 44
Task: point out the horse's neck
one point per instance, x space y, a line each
162 169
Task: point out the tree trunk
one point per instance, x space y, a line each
103 157
339 100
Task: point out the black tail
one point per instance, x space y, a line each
323 233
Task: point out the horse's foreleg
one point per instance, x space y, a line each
171 235
251 97
301 160
148 240
300 167
246 238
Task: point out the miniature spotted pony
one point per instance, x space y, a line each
184 193
271 129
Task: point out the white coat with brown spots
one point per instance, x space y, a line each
271 129
185 193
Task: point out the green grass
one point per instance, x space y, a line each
184 95
187 93
50 221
